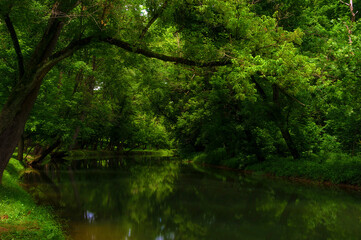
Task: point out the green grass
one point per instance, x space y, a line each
96 154
20 217
337 168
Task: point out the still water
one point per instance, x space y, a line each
163 199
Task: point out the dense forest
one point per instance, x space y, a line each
237 81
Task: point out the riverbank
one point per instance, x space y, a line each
338 169
332 168
20 217
96 154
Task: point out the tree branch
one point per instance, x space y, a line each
259 88
132 48
50 37
16 44
353 14
291 96
67 51
155 17
77 44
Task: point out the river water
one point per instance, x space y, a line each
143 198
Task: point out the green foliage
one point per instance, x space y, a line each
291 89
335 168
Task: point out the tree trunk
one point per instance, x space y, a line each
21 148
17 108
276 114
74 141
89 84
254 146
13 118
290 144
46 152
95 144
282 125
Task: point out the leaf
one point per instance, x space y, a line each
50 236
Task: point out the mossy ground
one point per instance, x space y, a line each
20 217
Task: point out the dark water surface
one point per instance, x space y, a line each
160 199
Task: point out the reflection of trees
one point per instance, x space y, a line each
167 200
149 186
269 209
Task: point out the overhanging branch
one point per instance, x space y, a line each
67 51
77 44
147 53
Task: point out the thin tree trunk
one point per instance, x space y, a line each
278 118
89 92
253 142
46 152
74 141
283 125
21 148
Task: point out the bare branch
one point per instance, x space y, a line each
16 44
349 34
345 3
353 14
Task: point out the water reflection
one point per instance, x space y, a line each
149 198
89 216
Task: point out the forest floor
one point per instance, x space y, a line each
20 217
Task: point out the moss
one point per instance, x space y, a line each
20 217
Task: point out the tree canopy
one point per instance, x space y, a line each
242 81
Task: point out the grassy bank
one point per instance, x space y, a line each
96 154
338 169
20 217
334 168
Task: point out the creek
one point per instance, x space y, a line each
166 199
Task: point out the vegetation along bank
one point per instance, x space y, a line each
20 217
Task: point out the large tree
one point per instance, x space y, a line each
69 25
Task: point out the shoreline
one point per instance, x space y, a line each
295 179
20 216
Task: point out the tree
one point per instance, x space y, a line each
33 68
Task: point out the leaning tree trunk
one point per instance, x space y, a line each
16 110
277 117
13 118
21 148
46 152
282 124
